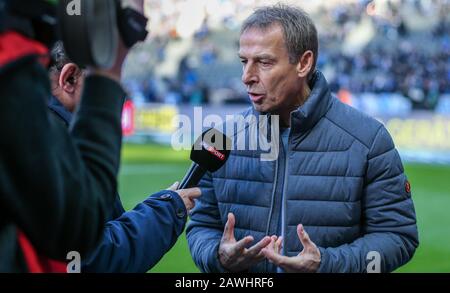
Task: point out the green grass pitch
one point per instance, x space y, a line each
149 168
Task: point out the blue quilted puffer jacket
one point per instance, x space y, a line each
341 177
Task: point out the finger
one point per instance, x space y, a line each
279 244
174 186
304 237
255 249
243 243
271 245
188 196
228 233
274 257
260 255
194 192
189 204
273 240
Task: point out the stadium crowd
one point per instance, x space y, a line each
408 51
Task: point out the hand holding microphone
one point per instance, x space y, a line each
209 153
187 195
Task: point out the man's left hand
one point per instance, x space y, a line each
307 261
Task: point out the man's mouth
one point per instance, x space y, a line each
255 97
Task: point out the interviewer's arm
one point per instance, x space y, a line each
139 238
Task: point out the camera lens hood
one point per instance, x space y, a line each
89 31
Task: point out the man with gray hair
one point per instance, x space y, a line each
335 200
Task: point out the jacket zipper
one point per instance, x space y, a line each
285 182
273 197
271 206
283 203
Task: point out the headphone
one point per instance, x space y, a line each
89 29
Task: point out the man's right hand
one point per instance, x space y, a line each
187 195
233 255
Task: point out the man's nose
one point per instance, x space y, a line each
249 75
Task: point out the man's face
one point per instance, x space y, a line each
273 84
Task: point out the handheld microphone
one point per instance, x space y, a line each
209 152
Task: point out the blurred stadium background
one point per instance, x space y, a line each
390 59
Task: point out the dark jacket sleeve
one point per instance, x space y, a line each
138 239
389 228
57 187
205 229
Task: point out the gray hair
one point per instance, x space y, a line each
58 57
300 34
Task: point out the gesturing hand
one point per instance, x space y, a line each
233 255
307 261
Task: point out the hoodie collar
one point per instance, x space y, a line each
315 107
55 105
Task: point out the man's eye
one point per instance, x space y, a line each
243 61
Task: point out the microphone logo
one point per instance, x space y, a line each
213 151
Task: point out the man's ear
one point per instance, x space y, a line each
68 77
305 64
